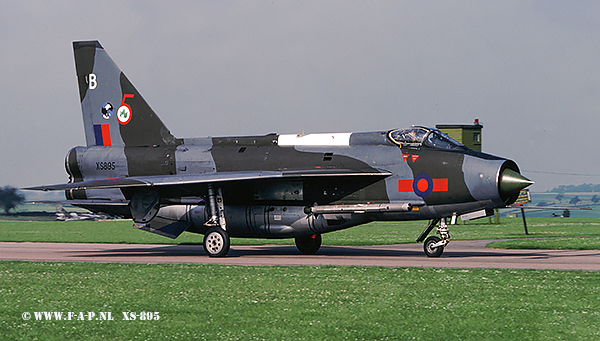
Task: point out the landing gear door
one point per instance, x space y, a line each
144 206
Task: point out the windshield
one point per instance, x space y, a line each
418 136
437 139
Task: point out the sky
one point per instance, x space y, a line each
528 70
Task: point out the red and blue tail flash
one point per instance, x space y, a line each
102 133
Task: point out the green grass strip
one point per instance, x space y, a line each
209 302
561 243
377 233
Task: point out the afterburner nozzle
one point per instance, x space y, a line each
510 184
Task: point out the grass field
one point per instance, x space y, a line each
562 243
377 233
209 302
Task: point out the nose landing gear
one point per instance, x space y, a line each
434 245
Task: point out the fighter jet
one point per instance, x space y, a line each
64 215
267 186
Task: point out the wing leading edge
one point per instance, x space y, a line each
200 179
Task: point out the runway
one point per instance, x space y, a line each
459 254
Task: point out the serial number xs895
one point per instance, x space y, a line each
143 316
106 165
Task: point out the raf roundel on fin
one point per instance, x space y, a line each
124 113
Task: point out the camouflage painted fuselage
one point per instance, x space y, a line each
452 182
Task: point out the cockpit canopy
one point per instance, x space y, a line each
419 136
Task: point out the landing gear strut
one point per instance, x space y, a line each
434 246
216 239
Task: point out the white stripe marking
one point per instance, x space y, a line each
326 139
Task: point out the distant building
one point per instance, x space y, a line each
467 134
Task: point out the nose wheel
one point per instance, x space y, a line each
430 248
434 245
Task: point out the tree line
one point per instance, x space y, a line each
10 198
587 188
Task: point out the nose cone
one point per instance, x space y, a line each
510 184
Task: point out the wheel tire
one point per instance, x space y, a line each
433 252
309 245
216 242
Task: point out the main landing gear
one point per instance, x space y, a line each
216 240
309 245
434 245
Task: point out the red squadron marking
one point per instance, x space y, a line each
440 185
405 185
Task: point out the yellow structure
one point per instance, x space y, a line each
467 134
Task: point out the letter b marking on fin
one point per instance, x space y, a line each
92 82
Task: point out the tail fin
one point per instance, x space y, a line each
114 112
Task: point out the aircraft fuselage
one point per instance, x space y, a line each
449 182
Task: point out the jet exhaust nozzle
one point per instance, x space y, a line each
510 185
